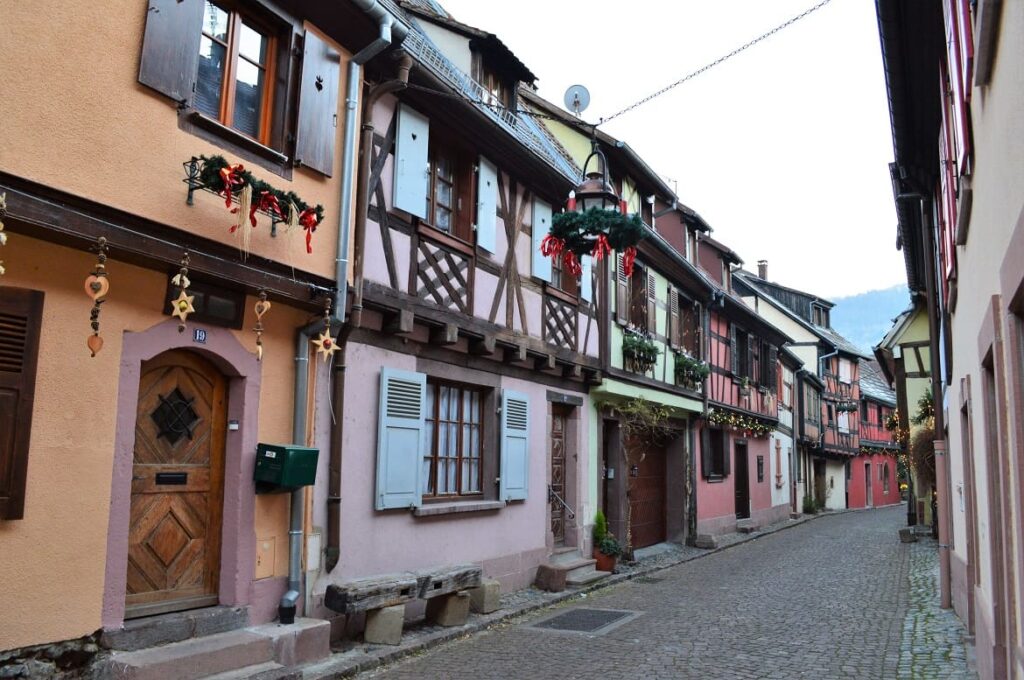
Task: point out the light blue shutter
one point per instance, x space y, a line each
541 227
515 445
403 396
586 279
487 205
412 169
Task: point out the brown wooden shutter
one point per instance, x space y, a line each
705 452
675 337
748 369
734 356
21 313
317 126
698 331
170 47
621 292
652 304
772 370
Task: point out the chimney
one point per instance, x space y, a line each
762 269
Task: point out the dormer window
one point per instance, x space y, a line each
819 316
497 89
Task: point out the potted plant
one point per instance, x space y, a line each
606 547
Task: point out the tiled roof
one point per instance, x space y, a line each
873 384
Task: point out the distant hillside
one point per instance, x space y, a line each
865 318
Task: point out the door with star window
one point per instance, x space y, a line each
177 486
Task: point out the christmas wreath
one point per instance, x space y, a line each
595 232
253 194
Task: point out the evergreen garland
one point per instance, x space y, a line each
580 231
209 176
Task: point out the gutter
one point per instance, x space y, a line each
391 30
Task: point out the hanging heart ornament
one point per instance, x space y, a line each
96 286
261 308
95 344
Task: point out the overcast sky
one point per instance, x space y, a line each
783 149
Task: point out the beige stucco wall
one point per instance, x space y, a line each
52 561
451 45
808 354
75 117
998 185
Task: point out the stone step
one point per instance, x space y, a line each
560 555
580 579
264 671
553 577
195 658
153 631
746 526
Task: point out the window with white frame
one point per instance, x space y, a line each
845 371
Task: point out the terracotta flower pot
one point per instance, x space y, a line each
604 562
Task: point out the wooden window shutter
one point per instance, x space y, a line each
652 303
698 330
317 126
400 439
487 205
675 335
170 47
21 314
515 446
621 292
771 369
412 162
587 278
705 452
540 226
734 356
748 370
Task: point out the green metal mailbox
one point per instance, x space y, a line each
283 467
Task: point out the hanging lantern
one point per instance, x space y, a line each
596 190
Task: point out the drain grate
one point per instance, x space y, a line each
648 579
584 620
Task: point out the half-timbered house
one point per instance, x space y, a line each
735 489
469 355
874 480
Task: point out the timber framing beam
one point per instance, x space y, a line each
55 216
444 335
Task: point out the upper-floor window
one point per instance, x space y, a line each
845 371
236 55
864 411
812 405
743 361
450 194
819 315
638 298
497 90
881 415
787 388
563 280
844 421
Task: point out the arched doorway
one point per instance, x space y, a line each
177 487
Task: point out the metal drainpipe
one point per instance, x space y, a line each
387 25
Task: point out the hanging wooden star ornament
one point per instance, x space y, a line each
262 307
325 344
181 306
96 287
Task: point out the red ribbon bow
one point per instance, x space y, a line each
572 265
307 218
601 248
231 176
268 202
628 258
551 246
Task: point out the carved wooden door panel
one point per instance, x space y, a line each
177 486
647 491
557 495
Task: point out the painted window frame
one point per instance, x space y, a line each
432 433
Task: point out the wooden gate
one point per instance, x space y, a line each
177 486
647 494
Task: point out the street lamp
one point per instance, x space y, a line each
596 190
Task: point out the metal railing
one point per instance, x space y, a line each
553 496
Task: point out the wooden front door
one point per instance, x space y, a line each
557 495
177 486
741 479
868 494
646 494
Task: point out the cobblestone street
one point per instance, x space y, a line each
839 597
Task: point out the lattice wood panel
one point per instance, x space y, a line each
442 277
560 323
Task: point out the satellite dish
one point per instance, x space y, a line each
577 99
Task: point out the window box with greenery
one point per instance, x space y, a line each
639 350
690 371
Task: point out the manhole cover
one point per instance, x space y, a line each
593 621
648 579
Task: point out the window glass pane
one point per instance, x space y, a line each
215 22
209 77
248 98
444 194
252 45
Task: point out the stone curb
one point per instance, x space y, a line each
349 664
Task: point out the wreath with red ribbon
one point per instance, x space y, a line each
593 232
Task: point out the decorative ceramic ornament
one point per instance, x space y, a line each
96 287
262 307
325 344
181 306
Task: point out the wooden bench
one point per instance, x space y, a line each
384 597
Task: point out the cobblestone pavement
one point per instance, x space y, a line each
826 599
932 644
